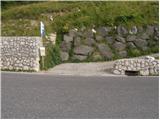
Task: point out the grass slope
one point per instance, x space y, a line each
24 19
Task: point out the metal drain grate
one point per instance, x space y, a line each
132 73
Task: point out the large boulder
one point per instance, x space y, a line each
89 41
65 46
103 31
67 38
121 30
144 36
120 39
72 33
150 30
131 45
140 43
83 50
64 56
105 51
99 38
131 38
77 41
109 39
119 46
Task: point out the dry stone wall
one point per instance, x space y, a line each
20 53
109 42
143 66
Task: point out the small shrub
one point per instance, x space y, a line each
134 52
124 19
155 49
59 38
52 57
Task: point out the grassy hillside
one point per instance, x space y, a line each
24 19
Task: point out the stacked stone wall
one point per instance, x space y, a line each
143 66
109 42
20 53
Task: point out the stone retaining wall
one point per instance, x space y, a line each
20 53
143 66
109 42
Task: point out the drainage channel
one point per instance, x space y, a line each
132 73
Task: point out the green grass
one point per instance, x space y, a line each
67 16
33 11
109 13
134 52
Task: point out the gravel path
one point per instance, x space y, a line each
86 69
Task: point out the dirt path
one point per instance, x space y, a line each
86 69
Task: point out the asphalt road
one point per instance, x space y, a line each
49 96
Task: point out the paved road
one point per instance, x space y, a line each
50 96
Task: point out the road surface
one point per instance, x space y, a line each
50 96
